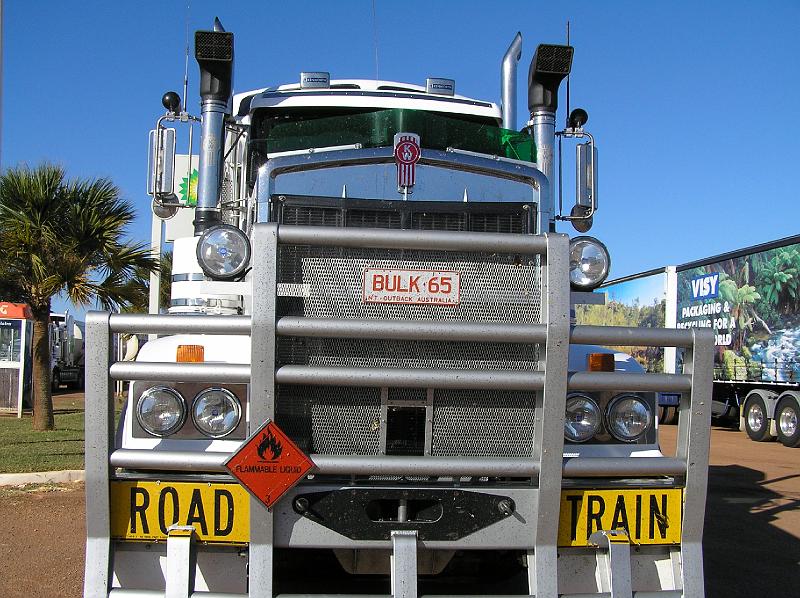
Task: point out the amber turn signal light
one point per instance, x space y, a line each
600 362
190 354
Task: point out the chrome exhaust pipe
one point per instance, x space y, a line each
508 82
548 68
214 55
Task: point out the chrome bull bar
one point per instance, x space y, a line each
689 466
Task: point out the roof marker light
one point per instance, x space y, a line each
315 80
442 87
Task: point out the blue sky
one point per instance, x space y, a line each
692 104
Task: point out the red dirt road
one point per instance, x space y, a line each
752 534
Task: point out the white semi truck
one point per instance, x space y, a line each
67 360
369 360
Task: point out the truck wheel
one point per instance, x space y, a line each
786 422
756 422
55 382
668 415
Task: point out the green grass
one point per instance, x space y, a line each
23 450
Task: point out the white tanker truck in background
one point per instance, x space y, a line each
368 381
66 351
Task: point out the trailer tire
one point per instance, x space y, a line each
787 413
756 422
668 415
55 381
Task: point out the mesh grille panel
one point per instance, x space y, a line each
494 288
482 423
439 221
373 219
328 282
308 216
406 354
213 45
330 421
554 59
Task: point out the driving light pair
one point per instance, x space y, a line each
161 411
223 251
589 263
627 418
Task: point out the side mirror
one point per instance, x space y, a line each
586 175
582 215
161 162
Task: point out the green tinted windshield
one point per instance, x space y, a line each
304 129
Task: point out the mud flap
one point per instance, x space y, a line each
180 562
404 564
613 562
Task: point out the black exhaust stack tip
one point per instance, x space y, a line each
204 219
214 53
549 66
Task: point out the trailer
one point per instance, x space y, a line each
750 299
369 361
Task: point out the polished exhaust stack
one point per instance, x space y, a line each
213 51
508 82
549 66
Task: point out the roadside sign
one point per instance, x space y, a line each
268 463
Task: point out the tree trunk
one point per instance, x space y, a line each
42 394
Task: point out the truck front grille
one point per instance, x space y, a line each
324 282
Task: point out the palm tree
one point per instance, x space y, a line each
140 286
64 236
742 300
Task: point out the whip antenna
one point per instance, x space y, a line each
186 61
567 82
375 36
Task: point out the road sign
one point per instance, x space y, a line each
268 463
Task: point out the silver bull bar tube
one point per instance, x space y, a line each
546 462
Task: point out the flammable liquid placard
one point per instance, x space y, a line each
268 463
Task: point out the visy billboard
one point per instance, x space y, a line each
752 303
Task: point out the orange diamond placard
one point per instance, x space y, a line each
268 463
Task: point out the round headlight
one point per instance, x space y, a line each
216 412
582 418
589 262
223 251
628 417
161 410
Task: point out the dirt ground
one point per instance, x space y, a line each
752 533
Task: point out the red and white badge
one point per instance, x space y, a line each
406 154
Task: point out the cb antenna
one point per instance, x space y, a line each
186 61
568 79
375 36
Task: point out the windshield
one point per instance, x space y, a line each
306 128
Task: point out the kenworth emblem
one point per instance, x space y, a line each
406 154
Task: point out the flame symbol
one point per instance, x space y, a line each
271 443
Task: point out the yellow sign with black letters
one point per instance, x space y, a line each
650 516
144 510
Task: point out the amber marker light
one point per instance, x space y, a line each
190 354
600 362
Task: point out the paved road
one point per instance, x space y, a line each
752 539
